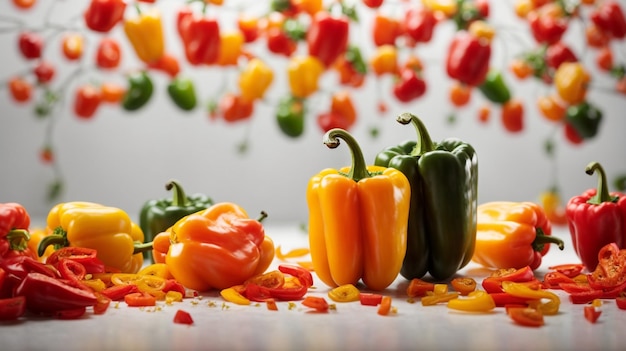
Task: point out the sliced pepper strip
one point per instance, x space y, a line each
547 308
232 295
476 301
344 293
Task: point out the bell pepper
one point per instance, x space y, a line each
609 17
290 116
468 58
14 230
47 295
596 218
512 235
231 45
234 108
494 87
571 80
384 60
139 91
254 79
585 118
558 53
444 184
351 67
159 214
108 230
546 28
358 219
385 29
217 248
102 15
327 37
408 86
330 120
145 33
419 24
30 45
200 35
183 93
303 75
341 103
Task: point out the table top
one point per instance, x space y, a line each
219 325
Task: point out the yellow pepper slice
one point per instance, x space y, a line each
344 293
476 301
232 295
156 269
549 308
95 284
434 299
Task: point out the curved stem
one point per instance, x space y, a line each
424 142
141 247
541 239
58 239
602 193
358 170
179 198
262 216
18 239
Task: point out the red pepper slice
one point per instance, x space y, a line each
316 302
571 270
71 270
12 308
85 256
552 280
289 294
183 317
621 302
117 292
140 299
303 275
493 283
503 299
585 296
418 287
370 299
592 313
102 305
526 316
48 295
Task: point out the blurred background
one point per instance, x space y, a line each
122 157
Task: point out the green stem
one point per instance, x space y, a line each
358 170
179 198
58 238
141 247
602 193
18 239
262 216
424 142
541 239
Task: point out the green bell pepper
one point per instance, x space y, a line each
157 216
441 231
183 93
494 87
585 119
290 116
139 91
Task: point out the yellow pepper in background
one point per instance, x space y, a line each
145 33
231 44
255 79
385 60
108 230
304 73
447 7
571 80
310 7
36 235
358 219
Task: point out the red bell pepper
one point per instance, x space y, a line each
200 35
609 18
596 218
468 59
46 295
558 53
30 45
419 24
327 37
103 15
14 236
409 86
546 28
12 308
493 283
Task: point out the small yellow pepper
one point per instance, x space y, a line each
145 33
254 80
304 73
385 60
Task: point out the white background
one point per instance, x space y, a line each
121 159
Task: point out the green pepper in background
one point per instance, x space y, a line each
183 93
494 87
139 91
290 116
157 216
444 199
585 119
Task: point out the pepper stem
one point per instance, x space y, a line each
358 170
424 142
262 216
602 193
139 247
18 239
58 238
541 239
179 198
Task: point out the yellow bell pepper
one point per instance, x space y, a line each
358 220
447 7
385 60
254 80
108 230
231 44
304 73
145 33
571 80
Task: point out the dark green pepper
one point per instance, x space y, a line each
585 119
183 93
139 91
441 232
290 116
157 216
494 87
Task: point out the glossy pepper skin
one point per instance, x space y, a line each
102 15
158 215
108 230
596 218
139 92
494 88
303 73
585 118
357 220
468 58
512 235
254 79
182 91
217 248
609 17
444 184
201 37
290 116
327 38
14 231
145 33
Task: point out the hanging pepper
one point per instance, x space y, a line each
14 231
545 27
103 15
512 235
234 108
303 74
341 103
571 80
108 230
139 91
290 116
596 218
419 24
385 29
254 79
327 37
409 85
444 184
145 33
217 248
609 17
468 58
494 87
351 67
201 37
183 93
231 45
358 219
158 215
585 118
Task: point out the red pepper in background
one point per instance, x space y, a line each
409 86
44 71
558 53
200 36
609 17
327 37
86 101
103 15
385 30
596 218
546 28
468 59
278 42
108 53
419 24
30 45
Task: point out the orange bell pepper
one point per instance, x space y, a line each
571 80
384 60
215 248
231 46
512 235
145 33
254 80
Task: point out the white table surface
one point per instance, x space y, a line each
226 326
